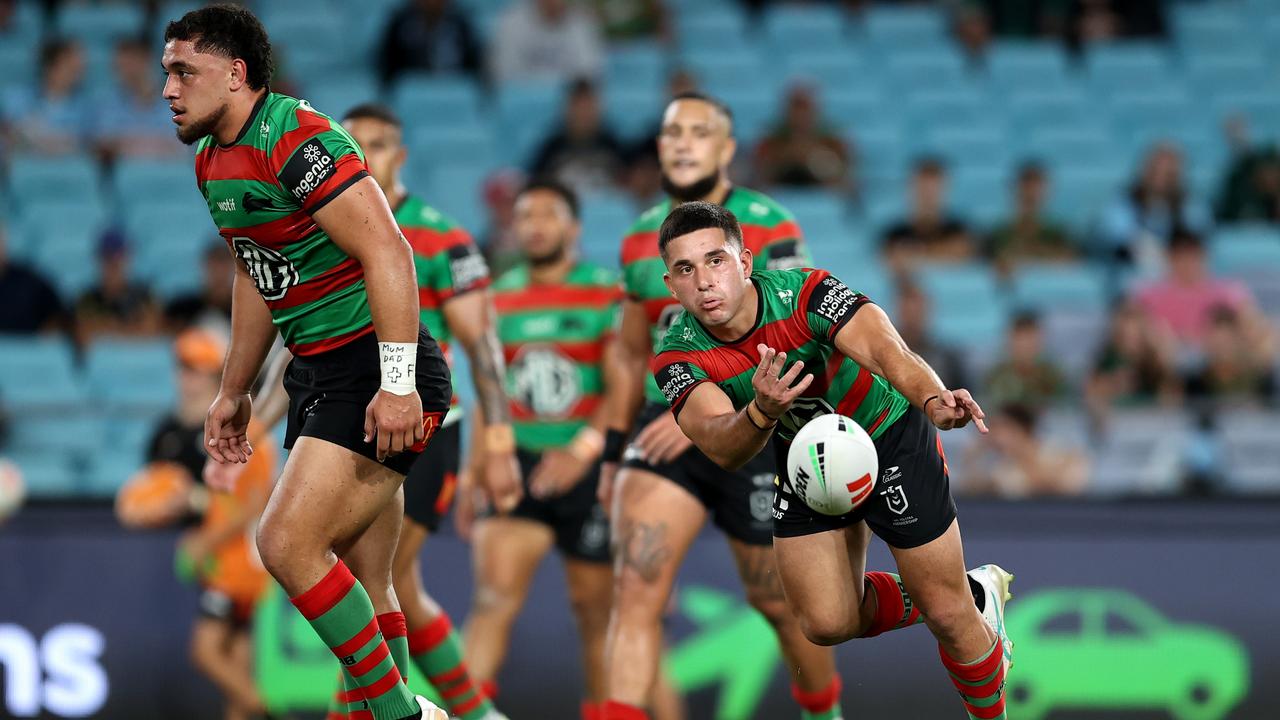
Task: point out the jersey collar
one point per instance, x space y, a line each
257 108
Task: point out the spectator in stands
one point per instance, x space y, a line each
1017 463
429 36
1028 18
911 316
1251 192
133 119
1184 300
971 27
929 232
583 152
1029 236
1026 376
802 150
627 20
546 40
52 118
1093 21
118 305
1134 366
8 15
210 306
499 243
1235 371
28 303
1140 222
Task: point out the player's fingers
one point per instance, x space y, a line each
981 425
211 447
779 362
796 390
764 359
370 426
947 398
420 431
970 404
383 439
792 373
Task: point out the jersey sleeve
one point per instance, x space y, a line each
677 375
462 267
316 161
784 248
830 304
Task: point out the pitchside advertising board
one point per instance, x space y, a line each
1119 611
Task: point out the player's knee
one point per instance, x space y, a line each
591 610
947 616
273 546
773 607
494 600
827 626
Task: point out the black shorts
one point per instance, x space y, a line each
217 605
577 518
328 394
911 503
739 502
430 485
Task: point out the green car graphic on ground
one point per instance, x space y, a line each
1108 649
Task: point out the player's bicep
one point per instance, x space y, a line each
359 220
704 407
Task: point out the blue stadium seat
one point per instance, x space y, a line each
882 149
1210 26
834 70
1245 249
438 101
967 305
526 112
1226 71
849 109
1260 107
48 476
941 68
65 244
605 219
890 27
131 376
18 58
754 110
38 374
455 189
109 469
93 24
74 433
978 192
1032 109
1059 286
169 268
701 21
156 181
633 114
453 145
336 98
312 40
163 222
731 68
1077 145
67 179
961 105
1015 66
1079 192
640 65
1166 108
969 146
791 26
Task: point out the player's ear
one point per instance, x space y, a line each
747 258
239 74
666 280
728 151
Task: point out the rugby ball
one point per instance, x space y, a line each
832 464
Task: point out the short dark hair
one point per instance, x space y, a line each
53 49
1026 319
553 185
929 165
694 216
130 43
1021 415
1184 238
716 103
374 111
230 31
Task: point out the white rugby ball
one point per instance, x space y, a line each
832 464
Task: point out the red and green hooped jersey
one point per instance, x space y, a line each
553 337
769 231
288 162
447 264
800 312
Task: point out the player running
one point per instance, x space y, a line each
556 314
739 331
667 489
313 235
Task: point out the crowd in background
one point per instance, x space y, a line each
1178 335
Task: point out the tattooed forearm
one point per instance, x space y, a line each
643 548
487 370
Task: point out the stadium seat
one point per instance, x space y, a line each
833 70
438 101
967 305
1080 191
960 105
336 98
1209 26
48 476
109 469
1163 109
941 69
1140 454
149 223
473 144
733 68
312 41
791 26
1054 287
1261 108
1229 70
890 27
526 113
38 374
156 181
66 179
1124 66
848 109
969 146
99 23
1245 250
456 190
19 61
754 110
1014 66
979 191
636 65
1252 454
713 20
633 113
131 376
1072 144
1030 109
65 244
605 219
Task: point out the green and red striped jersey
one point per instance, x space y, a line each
769 231
262 189
553 337
447 264
799 312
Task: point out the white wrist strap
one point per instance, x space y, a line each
398 361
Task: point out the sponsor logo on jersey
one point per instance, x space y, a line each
467 266
307 170
254 204
832 300
674 380
228 205
896 498
273 274
545 381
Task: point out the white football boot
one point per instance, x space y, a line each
430 711
995 581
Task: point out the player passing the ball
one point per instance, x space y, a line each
754 357
320 260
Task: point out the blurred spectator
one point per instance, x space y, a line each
210 306
28 303
1235 371
1029 236
583 152
1026 376
929 232
802 150
1134 366
1017 463
912 316
971 26
625 20
546 40
428 36
53 117
1140 222
1028 18
1184 300
1091 21
1251 191
117 306
133 119
8 16
499 243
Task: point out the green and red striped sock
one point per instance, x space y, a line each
894 608
591 711
341 613
338 703
614 710
396 632
821 704
981 682
437 652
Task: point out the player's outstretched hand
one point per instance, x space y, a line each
394 422
775 390
662 440
954 409
226 428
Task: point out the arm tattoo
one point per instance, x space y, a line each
487 371
643 548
